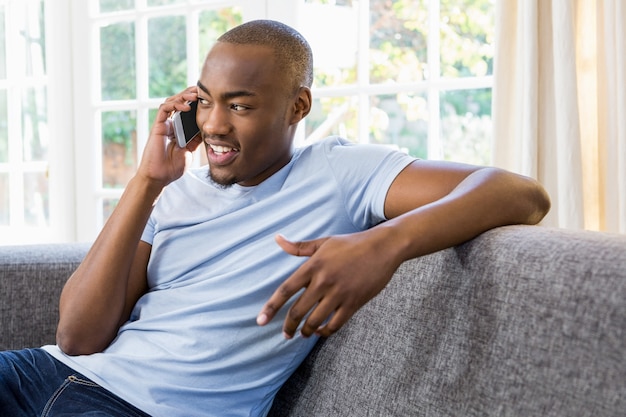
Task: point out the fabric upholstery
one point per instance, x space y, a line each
521 321
31 278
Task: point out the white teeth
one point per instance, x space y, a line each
221 149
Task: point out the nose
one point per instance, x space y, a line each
214 121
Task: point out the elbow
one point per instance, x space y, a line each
69 345
73 344
537 203
543 205
522 199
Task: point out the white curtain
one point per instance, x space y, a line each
559 105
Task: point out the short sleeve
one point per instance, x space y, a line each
365 172
148 232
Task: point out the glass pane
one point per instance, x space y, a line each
466 126
4 198
400 120
117 49
108 205
332 116
332 2
152 3
119 147
116 5
35 124
398 33
167 54
151 116
4 128
467 36
3 43
337 64
33 37
36 210
212 23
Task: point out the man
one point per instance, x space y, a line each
191 302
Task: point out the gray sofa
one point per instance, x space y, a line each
521 321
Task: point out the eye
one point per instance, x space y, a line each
203 101
238 107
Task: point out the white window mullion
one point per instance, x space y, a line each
193 48
15 168
86 63
16 74
142 81
61 152
363 70
435 150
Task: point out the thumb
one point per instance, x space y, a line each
303 248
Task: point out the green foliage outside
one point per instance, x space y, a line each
398 54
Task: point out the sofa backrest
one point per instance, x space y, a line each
521 321
31 279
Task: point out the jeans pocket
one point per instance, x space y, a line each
71 397
55 396
80 396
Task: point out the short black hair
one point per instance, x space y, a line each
292 51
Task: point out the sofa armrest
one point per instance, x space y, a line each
31 279
521 321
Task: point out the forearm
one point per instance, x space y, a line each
487 198
92 303
430 206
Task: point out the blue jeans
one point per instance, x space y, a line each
33 384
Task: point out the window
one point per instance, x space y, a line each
24 128
138 53
413 74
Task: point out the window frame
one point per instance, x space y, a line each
58 168
88 104
74 105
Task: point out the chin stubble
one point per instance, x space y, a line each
220 184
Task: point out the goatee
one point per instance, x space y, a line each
218 184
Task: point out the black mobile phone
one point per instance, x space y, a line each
185 127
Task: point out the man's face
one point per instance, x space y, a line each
244 114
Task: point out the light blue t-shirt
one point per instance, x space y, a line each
192 346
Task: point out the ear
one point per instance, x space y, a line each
301 105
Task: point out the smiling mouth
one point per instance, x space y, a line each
220 150
220 155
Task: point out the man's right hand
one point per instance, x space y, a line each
163 161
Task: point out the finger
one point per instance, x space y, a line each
162 122
179 102
303 248
193 89
283 293
336 322
188 94
321 313
306 302
182 103
194 143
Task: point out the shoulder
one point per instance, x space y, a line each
323 146
338 146
341 152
